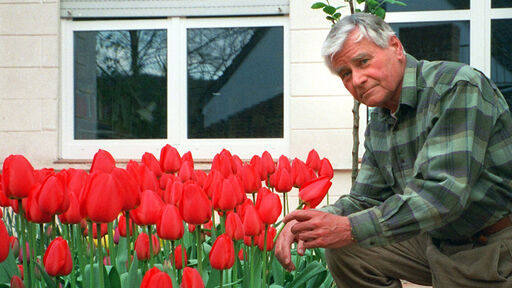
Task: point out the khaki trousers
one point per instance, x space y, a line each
420 261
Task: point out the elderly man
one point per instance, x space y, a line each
431 203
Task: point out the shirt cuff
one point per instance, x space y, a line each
366 228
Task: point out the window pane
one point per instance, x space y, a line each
120 84
501 58
235 82
435 40
422 5
501 4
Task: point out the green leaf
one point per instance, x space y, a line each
360 1
395 2
311 270
277 272
380 12
214 279
8 268
330 18
336 15
329 10
114 278
328 281
318 5
358 10
134 277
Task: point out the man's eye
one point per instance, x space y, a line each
345 74
364 61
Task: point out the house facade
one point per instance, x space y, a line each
131 76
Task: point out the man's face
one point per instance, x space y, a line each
373 75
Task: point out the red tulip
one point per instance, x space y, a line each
252 222
16 282
271 233
268 163
234 226
191 279
57 258
153 164
148 211
222 254
186 171
31 206
250 179
72 215
241 254
195 207
103 229
222 163
313 160
148 180
14 244
17 177
4 242
4 201
300 173
170 224
166 178
142 246
213 179
102 199
20 267
53 197
154 278
269 208
102 162
170 160
76 180
224 196
326 168
283 180
116 235
122 226
131 189
180 257
283 162
200 177
187 157
314 191
257 164
134 169
236 164
173 193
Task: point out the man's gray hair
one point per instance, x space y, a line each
370 26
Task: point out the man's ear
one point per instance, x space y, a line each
395 43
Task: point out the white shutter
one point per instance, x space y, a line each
167 8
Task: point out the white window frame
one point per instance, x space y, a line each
479 16
202 149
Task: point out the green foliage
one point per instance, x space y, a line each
371 6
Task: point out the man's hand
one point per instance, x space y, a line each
318 229
283 245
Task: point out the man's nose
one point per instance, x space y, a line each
358 78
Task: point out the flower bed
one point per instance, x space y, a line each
157 222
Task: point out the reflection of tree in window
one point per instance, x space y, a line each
235 82
501 56
131 88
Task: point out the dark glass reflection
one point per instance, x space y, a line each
501 4
435 40
235 82
120 84
429 5
501 56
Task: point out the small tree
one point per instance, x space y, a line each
333 15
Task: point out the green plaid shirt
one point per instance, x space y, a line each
442 164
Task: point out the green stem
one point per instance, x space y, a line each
91 256
73 249
54 228
112 250
23 244
235 268
264 282
221 280
100 254
31 244
214 228
199 250
251 276
151 260
173 258
128 239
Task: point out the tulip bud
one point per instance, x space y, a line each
4 242
57 258
191 279
222 254
17 177
314 191
142 246
16 282
156 278
170 224
180 257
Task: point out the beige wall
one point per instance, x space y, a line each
29 79
320 107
